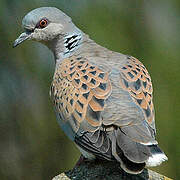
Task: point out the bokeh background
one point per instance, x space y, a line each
32 146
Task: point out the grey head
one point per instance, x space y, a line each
51 27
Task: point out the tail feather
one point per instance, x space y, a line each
116 145
129 166
133 156
157 156
134 151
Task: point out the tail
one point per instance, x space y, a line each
157 156
133 156
116 145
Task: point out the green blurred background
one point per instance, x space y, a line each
32 146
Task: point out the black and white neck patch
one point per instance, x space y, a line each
71 42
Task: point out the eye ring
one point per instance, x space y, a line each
42 23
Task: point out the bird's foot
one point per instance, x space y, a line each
80 161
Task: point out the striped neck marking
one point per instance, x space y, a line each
71 43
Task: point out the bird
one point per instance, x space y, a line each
102 99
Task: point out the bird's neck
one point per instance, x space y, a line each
68 45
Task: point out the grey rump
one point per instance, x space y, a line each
102 99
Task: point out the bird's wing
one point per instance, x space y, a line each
135 109
130 106
136 80
79 91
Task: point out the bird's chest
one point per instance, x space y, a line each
60 93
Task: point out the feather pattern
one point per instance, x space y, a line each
137 81
79 91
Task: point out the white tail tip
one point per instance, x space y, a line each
156 159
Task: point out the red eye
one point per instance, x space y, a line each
43 23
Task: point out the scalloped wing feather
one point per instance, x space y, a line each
136 80
79 91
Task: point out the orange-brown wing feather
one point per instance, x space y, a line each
79 91
137 81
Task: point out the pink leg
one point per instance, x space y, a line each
81 160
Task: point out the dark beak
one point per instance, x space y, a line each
24 36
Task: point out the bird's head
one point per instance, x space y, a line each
46 25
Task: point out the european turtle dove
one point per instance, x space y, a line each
102 99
